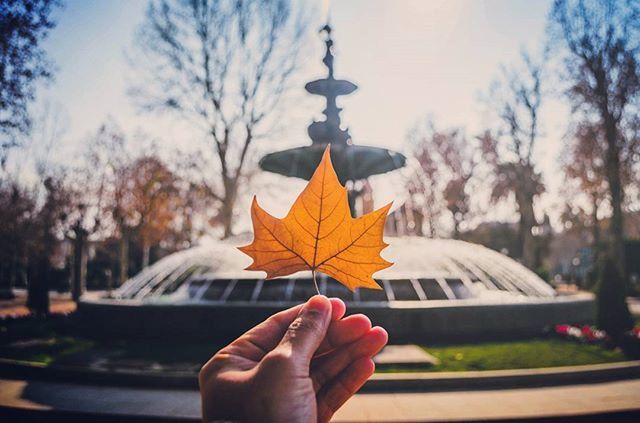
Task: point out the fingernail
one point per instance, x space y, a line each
336 299
318 303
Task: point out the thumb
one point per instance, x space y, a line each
306 332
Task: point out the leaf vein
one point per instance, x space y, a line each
280 242
353 241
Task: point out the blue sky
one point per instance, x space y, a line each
410 58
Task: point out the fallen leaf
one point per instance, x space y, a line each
319 234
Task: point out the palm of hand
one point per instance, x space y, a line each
299 365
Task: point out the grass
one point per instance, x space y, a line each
80 352
44 343
454 358
535 353
44 350
50 341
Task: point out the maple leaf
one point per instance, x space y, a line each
319 234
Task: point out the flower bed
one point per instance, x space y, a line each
629 343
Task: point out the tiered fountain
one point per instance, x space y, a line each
351 162
437 289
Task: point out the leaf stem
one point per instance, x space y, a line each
313 273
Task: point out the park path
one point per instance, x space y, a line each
379 407
532 403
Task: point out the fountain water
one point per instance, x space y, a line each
437 289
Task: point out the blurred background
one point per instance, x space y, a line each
132 130
112 142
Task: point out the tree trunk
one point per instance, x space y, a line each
227 219
456 228
529 248
595 230
109 280
124 257
145 254
38 287
79 265
432 225
616 248
6 288
595 223
527 222
418 219
594 271
227 206
14 271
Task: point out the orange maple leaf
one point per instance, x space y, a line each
319 234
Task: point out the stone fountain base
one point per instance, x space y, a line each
406 321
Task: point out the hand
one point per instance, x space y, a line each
299 365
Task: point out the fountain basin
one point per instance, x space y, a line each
437 291
351 162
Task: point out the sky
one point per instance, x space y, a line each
410 59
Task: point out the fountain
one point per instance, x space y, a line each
351 162
437 290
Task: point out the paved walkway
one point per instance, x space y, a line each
498 404
439 406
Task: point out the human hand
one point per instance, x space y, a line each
299 365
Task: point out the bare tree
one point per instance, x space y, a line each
105 175
602 41
508 150
423 204
17 211
585 174
223 64
447 161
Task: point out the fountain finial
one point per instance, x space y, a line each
328 56
329 130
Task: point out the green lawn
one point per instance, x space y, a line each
520 355
155 356
45 350
43 343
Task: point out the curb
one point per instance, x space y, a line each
28 415
502 379
20 369
379 382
